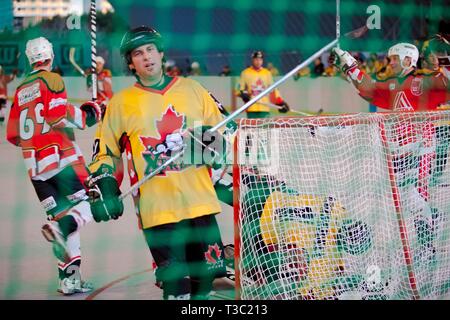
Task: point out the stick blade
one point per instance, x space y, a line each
357 33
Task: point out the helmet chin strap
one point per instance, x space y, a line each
405 69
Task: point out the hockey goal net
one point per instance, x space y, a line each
343 207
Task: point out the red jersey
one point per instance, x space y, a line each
412 93
41 122
104 86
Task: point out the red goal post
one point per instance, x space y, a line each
387 234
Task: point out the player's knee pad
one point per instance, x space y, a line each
81 213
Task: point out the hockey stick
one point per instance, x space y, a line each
338 21
80 70
274 106
74 63
232 116
94 49
357 33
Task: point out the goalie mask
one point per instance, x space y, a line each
39 50
404 50
138 37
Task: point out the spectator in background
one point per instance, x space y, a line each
386 70
4 80
369 66
168 65
273 70
171 69
378 62
195 69
226 71
330 71
304 72
359 57
319 68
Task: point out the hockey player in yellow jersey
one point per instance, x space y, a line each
150 122
253 81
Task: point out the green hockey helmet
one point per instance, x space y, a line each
138 37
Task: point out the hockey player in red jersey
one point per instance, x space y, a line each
436 61
104 83
41 123
406 90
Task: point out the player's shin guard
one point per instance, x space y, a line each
72 267
70 279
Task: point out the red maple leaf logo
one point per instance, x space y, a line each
208 254
258 87
170 122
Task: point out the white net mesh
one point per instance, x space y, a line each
344 207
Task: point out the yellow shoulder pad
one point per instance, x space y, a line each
53 80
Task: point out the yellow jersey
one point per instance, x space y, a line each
137 120
254 82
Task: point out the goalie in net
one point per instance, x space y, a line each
369 228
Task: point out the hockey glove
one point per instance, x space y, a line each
245 96
284 107
104 195
93 112
204 147
342 59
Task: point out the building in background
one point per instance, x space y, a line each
30 12
6 15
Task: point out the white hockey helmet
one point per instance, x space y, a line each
195 65
99 59
404 50
39 50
